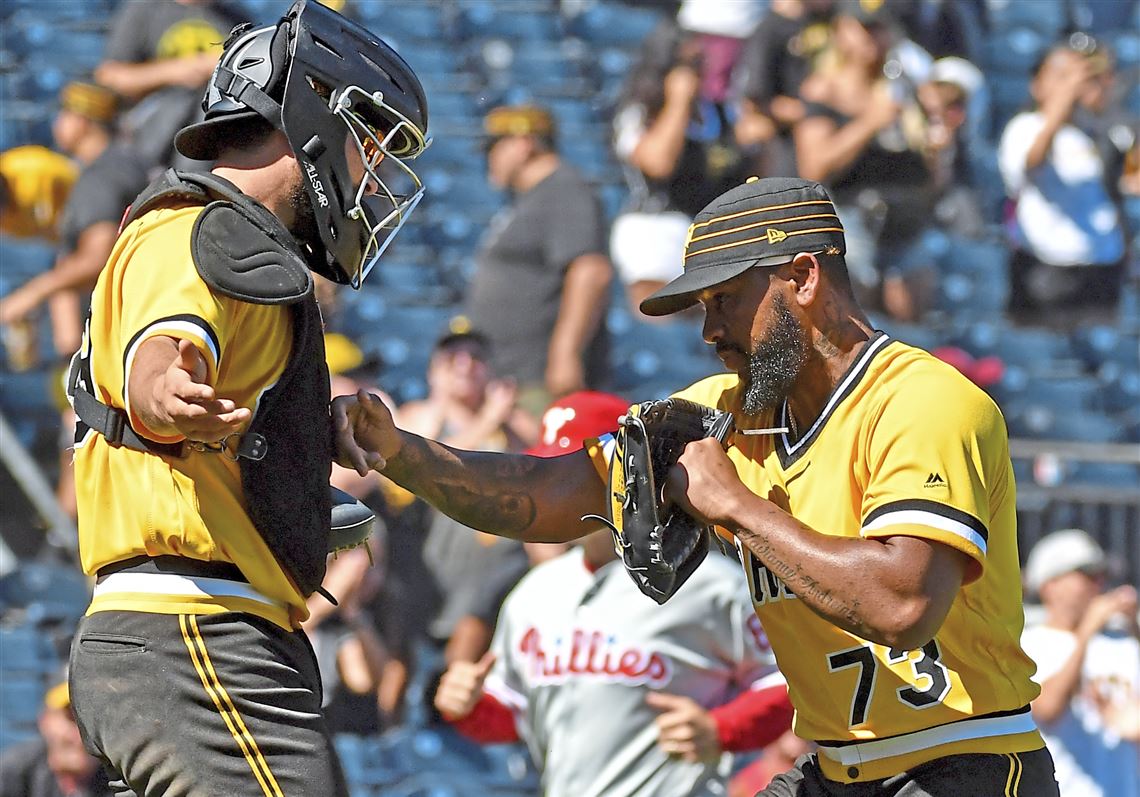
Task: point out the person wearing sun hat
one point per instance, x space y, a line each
1087 651
868 487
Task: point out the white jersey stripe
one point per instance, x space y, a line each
917 517
981 728
182 586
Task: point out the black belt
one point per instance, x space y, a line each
175 565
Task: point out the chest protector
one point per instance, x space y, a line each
242 251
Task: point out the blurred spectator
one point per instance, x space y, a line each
1066 230
614 694
350 650
159 55
1102 113
864 136
942 27
34 185
673 134
466 406
773 65
109 179
945 99
444 583
54 765
541 285
1087 651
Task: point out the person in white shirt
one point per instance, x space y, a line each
1067 229
1087 650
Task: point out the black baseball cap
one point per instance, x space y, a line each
765 222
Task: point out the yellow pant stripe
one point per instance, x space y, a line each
1017 777
1009 777
205 669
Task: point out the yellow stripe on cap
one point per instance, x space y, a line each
769 223
768 209
765 238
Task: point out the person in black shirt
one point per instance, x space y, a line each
775 60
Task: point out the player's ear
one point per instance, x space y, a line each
804 271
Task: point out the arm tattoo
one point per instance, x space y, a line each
804 585
485 491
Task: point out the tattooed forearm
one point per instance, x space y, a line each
844 612
494 498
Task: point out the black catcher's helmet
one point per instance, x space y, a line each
319 78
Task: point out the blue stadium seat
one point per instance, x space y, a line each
52 592
24 649
1105 474
480 18
1014 51
1103 16
608 23
405 21
1048 18
21 697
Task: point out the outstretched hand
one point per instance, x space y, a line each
182 403
366 434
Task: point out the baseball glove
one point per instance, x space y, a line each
351 522
660 544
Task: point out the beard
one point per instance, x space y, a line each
304 226
775 362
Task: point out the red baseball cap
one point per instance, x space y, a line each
570 421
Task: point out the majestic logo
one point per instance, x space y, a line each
775 236
318 186
935 480
591 654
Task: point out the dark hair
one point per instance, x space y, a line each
645 84
455 339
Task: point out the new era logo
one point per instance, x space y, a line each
935 480
775 236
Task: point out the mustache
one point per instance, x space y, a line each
729 348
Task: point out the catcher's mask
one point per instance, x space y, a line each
323 80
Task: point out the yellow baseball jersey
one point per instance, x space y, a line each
134 503
904 446
39 182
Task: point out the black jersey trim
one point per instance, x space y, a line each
789 452
934 508
197 321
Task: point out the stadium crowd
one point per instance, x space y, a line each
984 161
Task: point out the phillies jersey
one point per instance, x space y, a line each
135 503
574 647
905 445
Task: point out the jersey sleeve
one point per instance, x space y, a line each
933 460
165 296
